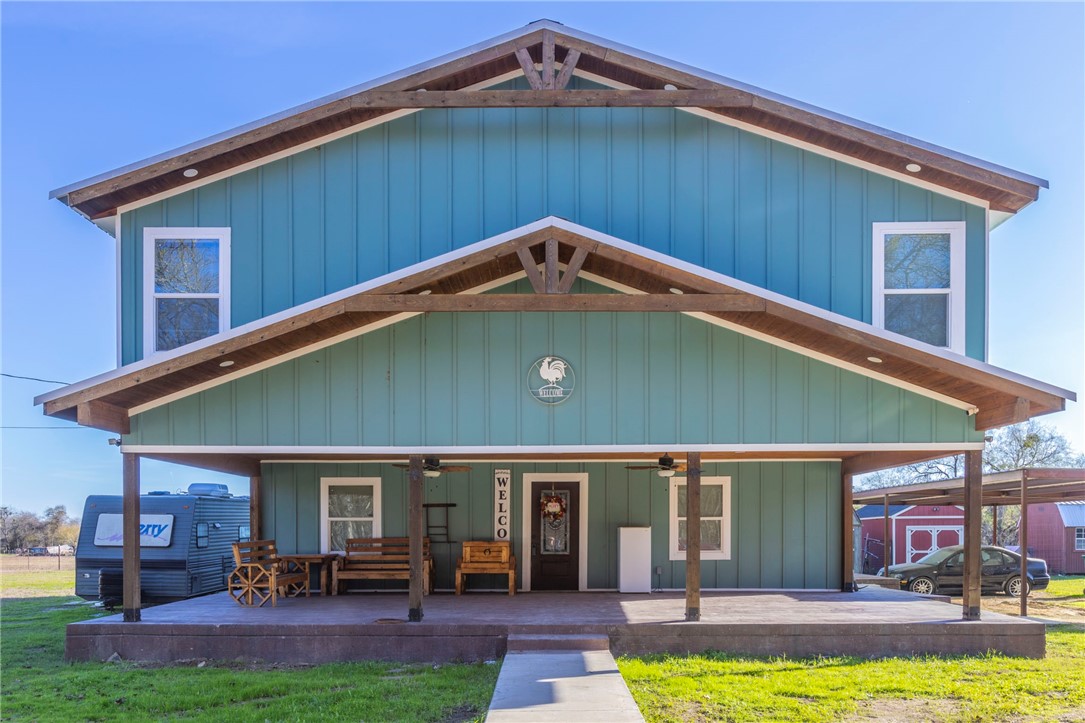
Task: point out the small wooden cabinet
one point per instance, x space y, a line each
481 557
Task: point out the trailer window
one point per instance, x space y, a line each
243 533
201 534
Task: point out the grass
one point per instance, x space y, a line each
989 687
1069 589
37 684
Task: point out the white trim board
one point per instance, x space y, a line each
497 450
526 517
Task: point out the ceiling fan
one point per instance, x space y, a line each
432 467
666 466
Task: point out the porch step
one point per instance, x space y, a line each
523 642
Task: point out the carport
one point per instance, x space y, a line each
1021 487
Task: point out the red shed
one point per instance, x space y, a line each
915 531
1056 533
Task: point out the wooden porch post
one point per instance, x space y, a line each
973 510
254 508
848 537
693 537
414 534
887 557
1022 541
994 525
130 538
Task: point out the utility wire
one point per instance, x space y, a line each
33 379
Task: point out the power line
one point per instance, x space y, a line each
33 379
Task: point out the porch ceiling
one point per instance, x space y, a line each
446 81
652 282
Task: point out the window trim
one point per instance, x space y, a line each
325 484
1079 539
151 234
955 334
725 520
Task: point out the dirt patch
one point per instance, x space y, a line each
1040 605
910 710
460 714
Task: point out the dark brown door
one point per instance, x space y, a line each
555 543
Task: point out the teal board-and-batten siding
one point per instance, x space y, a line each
656 379
785 517
387 197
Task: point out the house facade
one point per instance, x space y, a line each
585 274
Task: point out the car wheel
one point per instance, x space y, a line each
1013 586
922 585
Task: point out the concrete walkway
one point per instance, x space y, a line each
573 686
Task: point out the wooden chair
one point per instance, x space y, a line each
380 558
259 575
481 557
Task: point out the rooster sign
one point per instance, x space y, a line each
551 380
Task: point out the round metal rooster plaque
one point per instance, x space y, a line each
551 380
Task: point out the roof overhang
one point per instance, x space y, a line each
551 253
646 80
999 488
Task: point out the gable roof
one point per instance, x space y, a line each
663 82
651 281
870 512
1073 513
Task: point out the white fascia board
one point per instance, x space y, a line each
573 33
591 234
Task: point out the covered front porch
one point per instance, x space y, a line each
872 622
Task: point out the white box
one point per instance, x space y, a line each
634 559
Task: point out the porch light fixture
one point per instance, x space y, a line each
676 291
665 473
425 292
431 473
227 363
670 86
190 173
874 360
913 168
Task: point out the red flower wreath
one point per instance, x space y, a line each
552 508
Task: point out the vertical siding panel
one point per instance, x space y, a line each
186 422
817 534
181 209
499 204
749 525
372 202
757 392
277 275
434 212
408 418
153 215
885 412
662 387
689 188
772 533
130 284
821 400
794 527
727 570
602 539
393 501
975 283
307 226
344 393
469 339
560 163
307 510
218 415
624 174
784 194
752 205
284 510
535 343
848 246
376 381
655 193
854 408
530 165
281 407
834 519
212 208
505 375
790 412
339 209
592 185
568 417
154 426
312 404
720 252
246 250
694 355
950 425
726 387
598 382
911 203
815 250
249 404
402 186
881 195
632 379
440 371
918 418
466 177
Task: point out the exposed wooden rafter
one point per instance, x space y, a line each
552 301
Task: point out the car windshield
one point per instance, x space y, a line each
937 556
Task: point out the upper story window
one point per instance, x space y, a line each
919 281
186 283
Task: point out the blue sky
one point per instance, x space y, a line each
89 87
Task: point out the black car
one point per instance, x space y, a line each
943 571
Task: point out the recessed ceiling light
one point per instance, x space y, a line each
913 168
227 363
874 359
190 173
425 292
676 291
670 86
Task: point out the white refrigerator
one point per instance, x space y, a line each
634 559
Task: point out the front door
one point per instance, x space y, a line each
555 543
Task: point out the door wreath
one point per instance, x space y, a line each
552 507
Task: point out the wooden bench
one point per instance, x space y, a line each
259 575
481 557
380 558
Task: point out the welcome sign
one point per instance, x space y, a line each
502 503
154 530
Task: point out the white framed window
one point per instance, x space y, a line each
1079 539
918 281
186 286
715 518
349 507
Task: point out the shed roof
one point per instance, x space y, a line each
1073 513
453 80
869 512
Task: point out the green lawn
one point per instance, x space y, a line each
1070 589
991 687
38 685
